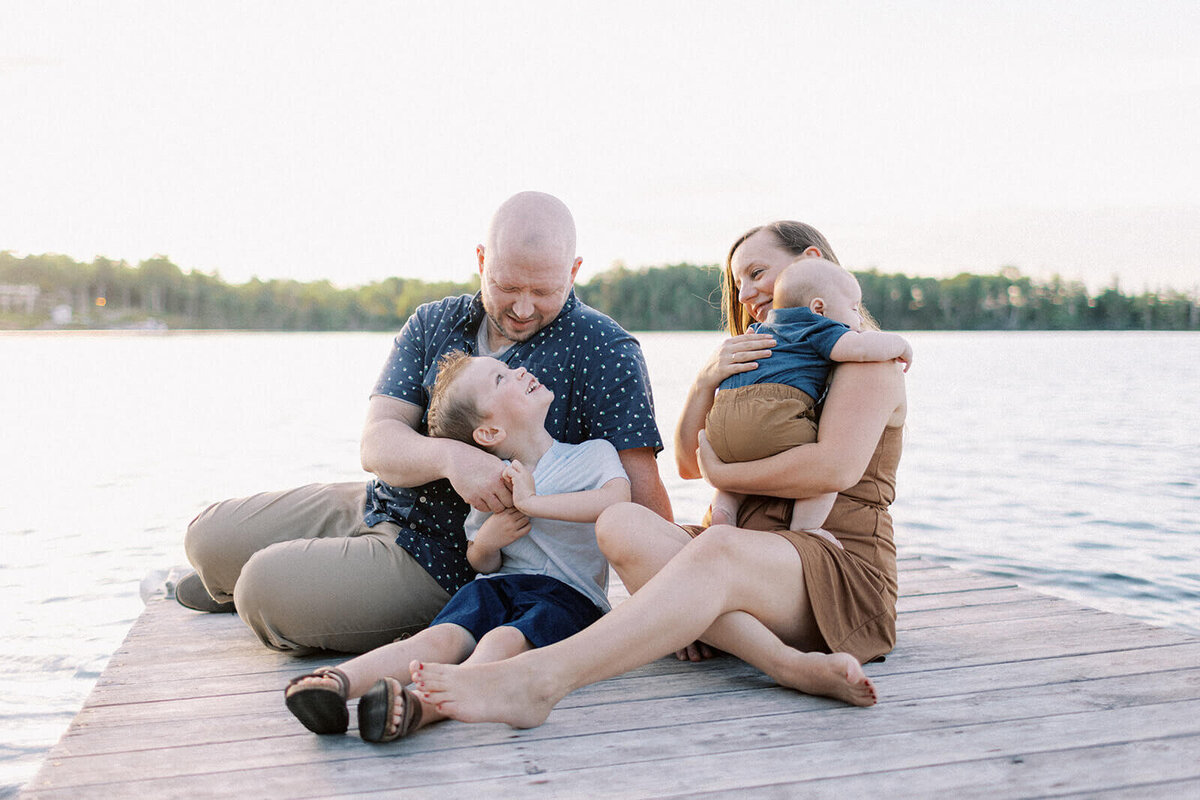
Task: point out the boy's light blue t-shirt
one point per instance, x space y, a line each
800 358
564 550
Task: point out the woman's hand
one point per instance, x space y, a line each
736 354
711 466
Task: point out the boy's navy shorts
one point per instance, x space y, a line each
544 609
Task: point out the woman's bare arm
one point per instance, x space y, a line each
863 399
736 354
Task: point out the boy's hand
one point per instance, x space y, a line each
907 356
521 480
503 528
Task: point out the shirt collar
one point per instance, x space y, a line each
476 317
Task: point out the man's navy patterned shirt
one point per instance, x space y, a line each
601 391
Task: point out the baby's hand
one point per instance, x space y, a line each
907 356
522 483
503 528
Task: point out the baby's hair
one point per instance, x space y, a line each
805 279
452 415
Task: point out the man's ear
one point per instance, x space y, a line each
575 270
817 305
479 256
488 435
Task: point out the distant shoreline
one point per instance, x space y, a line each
57 293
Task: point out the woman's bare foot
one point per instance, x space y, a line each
837 675
499 691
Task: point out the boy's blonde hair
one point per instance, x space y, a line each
453 415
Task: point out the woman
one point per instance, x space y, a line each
804 610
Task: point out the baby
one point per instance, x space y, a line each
815 321
543 575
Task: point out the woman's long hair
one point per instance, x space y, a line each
795 237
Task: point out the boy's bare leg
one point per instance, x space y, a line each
448 642
810 513
725 507
707 579
495 645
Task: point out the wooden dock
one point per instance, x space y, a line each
993 690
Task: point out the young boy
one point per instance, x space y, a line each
543 575
815 320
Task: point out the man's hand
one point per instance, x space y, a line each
521 480
478 478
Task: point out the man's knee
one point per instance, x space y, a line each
304 594
207 534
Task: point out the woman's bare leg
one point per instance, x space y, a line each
706 580
638 543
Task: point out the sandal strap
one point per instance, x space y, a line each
324 672
411 717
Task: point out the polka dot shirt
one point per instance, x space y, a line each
601 391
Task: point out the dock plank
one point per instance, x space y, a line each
993 689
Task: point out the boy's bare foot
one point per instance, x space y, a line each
499 691
318 700
837 675
389 711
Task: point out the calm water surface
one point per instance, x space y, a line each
1069 462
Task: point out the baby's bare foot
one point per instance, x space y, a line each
723 516
824 534
501 691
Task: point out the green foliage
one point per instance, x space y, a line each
113 294
158 289
680 297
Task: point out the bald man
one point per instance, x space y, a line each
337 567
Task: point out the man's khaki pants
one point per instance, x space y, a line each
305 573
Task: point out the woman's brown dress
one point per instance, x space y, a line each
852 591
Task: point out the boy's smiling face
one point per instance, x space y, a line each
506 396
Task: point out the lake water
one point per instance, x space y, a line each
1069 462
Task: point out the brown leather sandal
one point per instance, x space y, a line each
375 712
318 708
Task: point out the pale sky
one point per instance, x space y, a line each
354 141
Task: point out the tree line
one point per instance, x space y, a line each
115 294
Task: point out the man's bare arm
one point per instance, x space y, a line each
393 450
645 484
